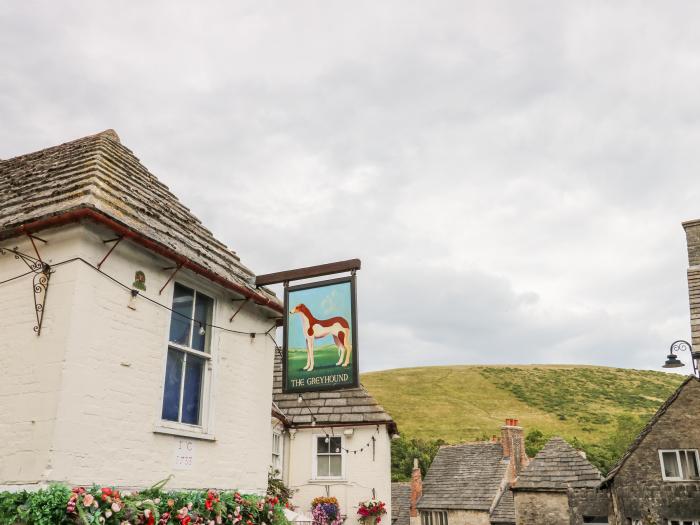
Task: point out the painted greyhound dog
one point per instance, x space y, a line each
314 329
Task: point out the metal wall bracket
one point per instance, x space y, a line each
41 287
116 242
40 282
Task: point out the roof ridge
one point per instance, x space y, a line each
107 133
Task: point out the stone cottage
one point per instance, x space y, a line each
119 357
560 487
468 484
333 443
657 481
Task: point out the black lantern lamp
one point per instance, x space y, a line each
672 360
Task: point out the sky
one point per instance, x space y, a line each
513 175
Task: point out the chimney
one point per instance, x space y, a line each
416 489
692 234
513 442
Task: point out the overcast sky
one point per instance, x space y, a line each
512 175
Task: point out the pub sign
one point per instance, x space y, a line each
320 336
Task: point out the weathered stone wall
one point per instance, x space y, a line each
639 490
467 517
539 508
588 502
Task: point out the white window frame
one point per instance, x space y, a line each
204 428
314 458
679 464
278 454
681 522
434 517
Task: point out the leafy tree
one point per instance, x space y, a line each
534 441
404 450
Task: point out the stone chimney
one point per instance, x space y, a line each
513 443
416 492
692 235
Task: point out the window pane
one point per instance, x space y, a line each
173 380
321 445
335 445
203 313
180 324
336 466
192 393
322 466
670 465
693 464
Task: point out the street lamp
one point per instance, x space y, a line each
672 360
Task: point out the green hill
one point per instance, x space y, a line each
468 403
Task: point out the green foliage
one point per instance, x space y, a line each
534 441
277 488
59 505
586 394
45 507
404 450
467 403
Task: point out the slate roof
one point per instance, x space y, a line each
352 405
558 467
464 477
100 174
504 513
647 428
400 503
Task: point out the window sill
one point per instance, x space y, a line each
183 432
329 481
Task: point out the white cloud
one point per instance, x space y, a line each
513 175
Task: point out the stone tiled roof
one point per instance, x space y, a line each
400 503
352 405
100 174
504 513
466 477
647 428
558 467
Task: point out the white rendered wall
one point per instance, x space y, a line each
362 473
101 368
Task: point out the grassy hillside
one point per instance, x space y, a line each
466 403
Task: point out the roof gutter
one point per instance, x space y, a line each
79 214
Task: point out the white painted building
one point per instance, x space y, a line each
116 388
334 443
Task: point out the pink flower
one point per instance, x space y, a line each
88 500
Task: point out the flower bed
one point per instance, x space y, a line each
59 505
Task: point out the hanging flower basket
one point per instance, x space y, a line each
326 511
371 511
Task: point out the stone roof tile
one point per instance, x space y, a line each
352 405
558 467
100 174
400 503
466 477
504 513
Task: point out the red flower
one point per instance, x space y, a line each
208 504
185 520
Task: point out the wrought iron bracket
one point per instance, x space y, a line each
41 287
40 283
